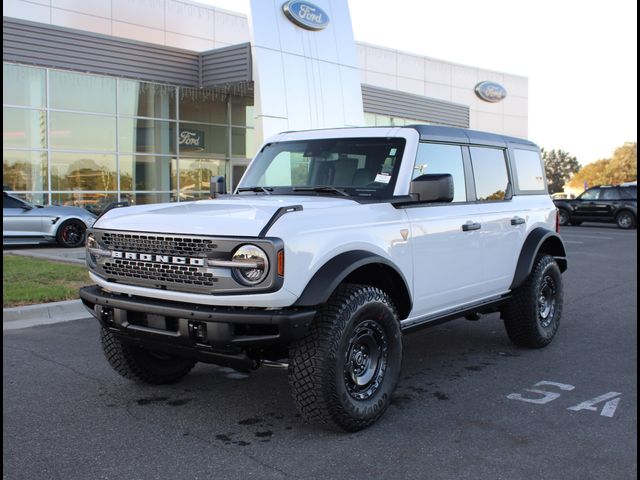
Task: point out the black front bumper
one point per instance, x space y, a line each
221 335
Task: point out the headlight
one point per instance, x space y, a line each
254 256
91 244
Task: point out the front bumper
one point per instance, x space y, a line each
212 334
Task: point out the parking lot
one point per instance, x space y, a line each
469 404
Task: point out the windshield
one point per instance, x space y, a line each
363 167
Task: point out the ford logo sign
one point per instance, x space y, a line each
490 91
306 15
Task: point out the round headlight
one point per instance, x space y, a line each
257 265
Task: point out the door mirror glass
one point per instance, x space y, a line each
435 187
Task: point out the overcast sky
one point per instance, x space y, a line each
580 57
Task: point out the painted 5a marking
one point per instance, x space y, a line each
542 396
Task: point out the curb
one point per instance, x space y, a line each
43 314
47 256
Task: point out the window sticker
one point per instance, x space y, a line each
383 178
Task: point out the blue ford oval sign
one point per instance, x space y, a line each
306 14
490 91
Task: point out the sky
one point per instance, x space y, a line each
580 57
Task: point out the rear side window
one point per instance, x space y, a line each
529 174
490 173
8 202
433 158
629 193
610 194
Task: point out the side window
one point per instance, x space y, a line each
434 158
610 194
8 202
490 173
528 166
629 193
591 194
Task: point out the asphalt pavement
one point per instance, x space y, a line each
469 405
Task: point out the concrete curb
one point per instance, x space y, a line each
43 314
48 256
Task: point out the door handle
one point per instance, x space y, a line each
468 227
517 221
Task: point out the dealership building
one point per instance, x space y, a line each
145 100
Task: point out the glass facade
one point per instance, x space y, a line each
87 140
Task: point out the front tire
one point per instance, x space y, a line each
532 315
142 365
71 233
625 220
344 372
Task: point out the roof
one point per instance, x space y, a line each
463 135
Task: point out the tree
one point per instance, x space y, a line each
622 167
559 166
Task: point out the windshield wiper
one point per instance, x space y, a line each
321 189
256 189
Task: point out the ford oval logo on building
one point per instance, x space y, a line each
306 15
490 91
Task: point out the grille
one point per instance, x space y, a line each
159 244
158 272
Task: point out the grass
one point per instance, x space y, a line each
27 280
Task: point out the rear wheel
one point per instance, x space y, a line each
532 315
71 233
344 372
142 365
625 220
563 217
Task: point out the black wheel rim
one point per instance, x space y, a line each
365 360
72 234
547 301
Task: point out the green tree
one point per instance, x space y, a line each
559 166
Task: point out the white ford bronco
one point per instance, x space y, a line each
335 244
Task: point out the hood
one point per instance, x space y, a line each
233 215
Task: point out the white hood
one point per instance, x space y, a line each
233 215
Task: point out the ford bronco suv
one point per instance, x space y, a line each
335 244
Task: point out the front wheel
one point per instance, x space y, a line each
625 220
71 233
343 373
532 315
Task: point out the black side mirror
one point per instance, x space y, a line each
217 186
436 187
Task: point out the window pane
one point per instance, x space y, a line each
83 171
75 131
242 111
32 198
199 140
147 136
77 91
490 173
147 172
629 193
23 86
137 198
195 174
146 99
24 170
242 142
591 194
369 119
529 170
24 128
434 158
202 106
610 194
94 202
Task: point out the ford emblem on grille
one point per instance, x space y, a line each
147 257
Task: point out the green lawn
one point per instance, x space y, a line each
26 280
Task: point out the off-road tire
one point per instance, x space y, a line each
141 365
532 315
71 233
625 220
321 377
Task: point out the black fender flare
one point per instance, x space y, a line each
539 239
325 281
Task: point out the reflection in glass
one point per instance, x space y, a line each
146 136
490 173
83 171
34 198
242 111
24 128
198 140
203 106
94 202
434 158
24 170
75 131
24 86
148 173
529 170
79 91
144 99
195 174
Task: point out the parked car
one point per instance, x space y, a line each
617 204
24 223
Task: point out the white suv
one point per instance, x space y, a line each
335 244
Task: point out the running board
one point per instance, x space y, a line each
488 306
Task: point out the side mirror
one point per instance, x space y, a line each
217 186
436 187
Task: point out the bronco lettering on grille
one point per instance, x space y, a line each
145 257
